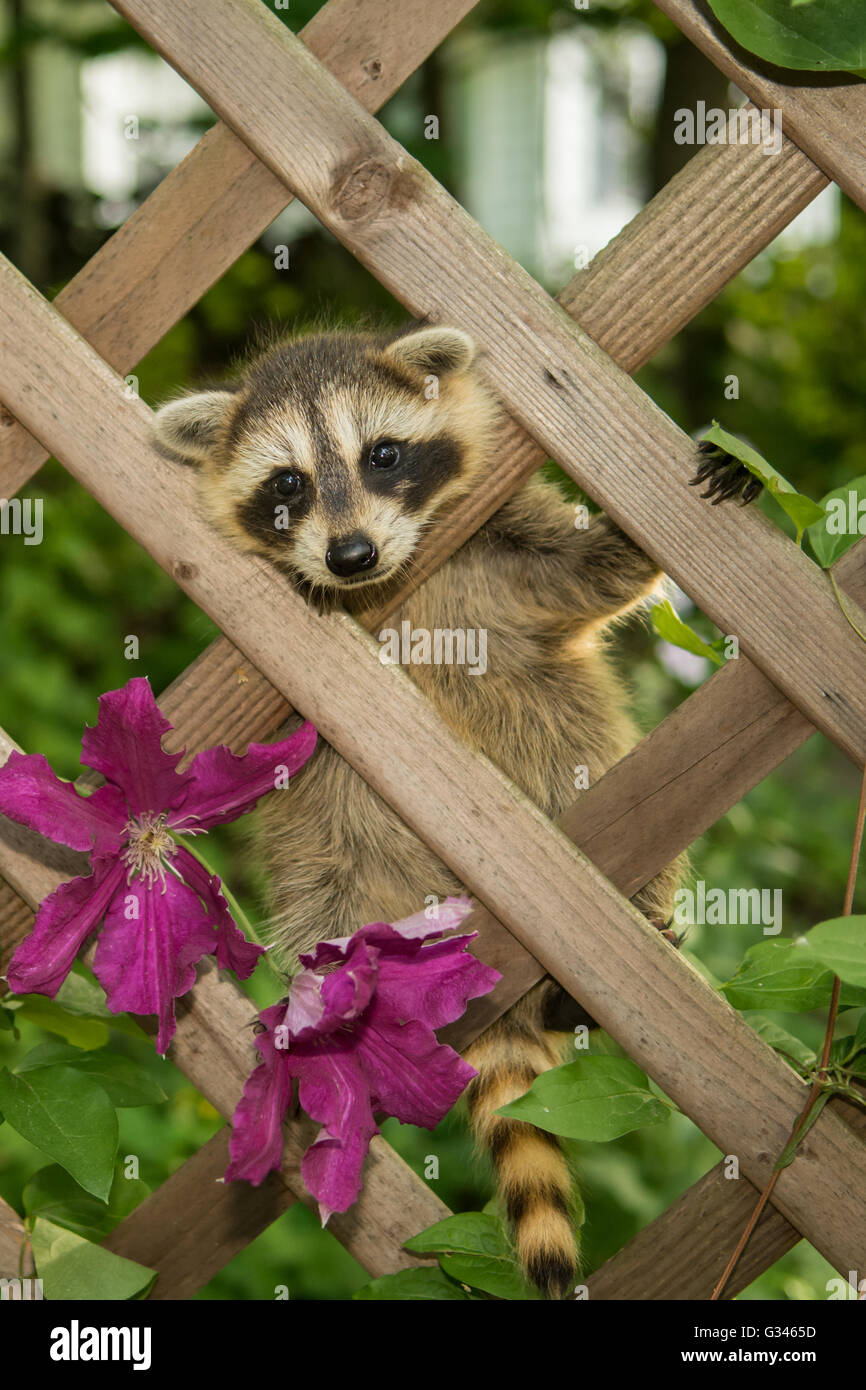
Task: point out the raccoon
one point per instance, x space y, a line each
356 442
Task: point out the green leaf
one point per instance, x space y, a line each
472 1232
125 1083
831 536
840 945
801 509
79 995
789 1153
414 1285
794 34
51 1193
72 1268
782 1041
88 1033
595 1098
474 1248
779 975
498 1276
669 625
69 1117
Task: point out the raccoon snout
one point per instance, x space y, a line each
350 555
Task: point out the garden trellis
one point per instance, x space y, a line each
295 120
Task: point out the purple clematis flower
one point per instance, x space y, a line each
357 1032
163 910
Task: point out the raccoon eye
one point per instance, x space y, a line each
384 455
287 484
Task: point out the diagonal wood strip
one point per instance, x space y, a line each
194 1224
696 1245
666 1260
387 209
215 204
825 113
602 951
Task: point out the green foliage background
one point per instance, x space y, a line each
791 329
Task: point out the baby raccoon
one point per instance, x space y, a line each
331 455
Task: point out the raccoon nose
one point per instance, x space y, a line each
351 555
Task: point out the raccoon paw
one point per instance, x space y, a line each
727 477
667 931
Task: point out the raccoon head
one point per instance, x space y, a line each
332 452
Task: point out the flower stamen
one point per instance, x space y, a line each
149 848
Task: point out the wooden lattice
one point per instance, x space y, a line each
295 120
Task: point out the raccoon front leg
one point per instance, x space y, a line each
592 573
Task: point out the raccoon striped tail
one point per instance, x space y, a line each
532 1174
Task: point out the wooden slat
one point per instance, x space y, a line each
824 113
215 204
552 899
647 810
590 416
205 740
12 1233
683 1253
193 1224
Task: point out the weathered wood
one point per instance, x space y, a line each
194 1223
388 210
649 790
530 876
16 920
824 113
12 1234
215 204
684 1252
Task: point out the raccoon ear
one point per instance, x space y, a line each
187 430
437 351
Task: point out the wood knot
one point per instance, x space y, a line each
183 571
373 68
361 190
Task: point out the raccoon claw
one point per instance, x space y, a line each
727 477
667 931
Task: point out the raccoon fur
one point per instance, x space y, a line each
358 441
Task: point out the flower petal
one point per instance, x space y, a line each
306 1007
33 795
224 785
125 745
256 1144
443 917
64 921
410 1075
433 986
233 950
333 1091
146 961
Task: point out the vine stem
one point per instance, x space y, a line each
818 1081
